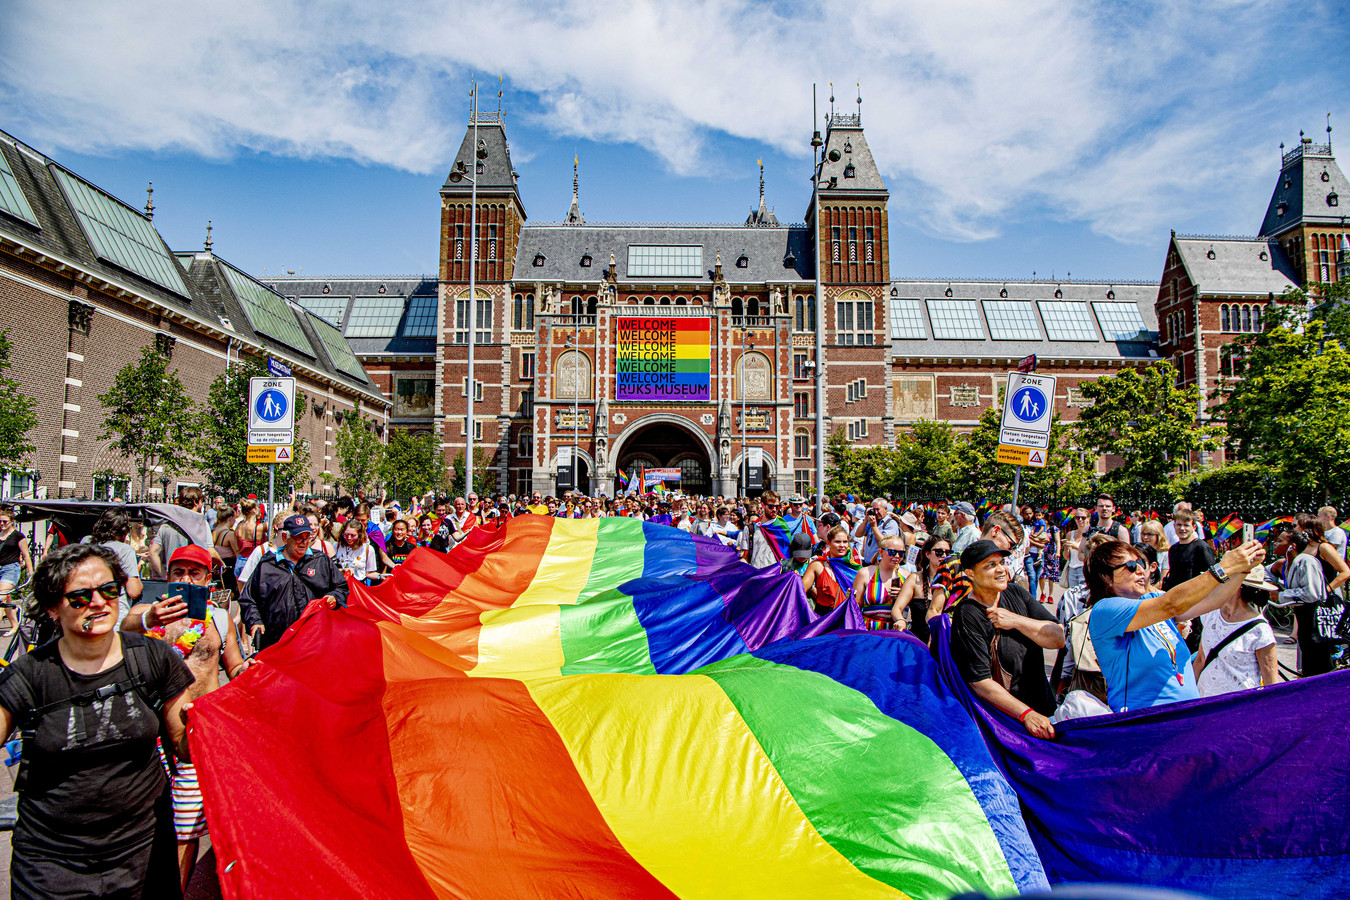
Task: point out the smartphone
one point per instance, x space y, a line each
1248 532
196 595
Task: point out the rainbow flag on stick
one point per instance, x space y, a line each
1228 527
1262 531
623 481
598 708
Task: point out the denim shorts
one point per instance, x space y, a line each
10 574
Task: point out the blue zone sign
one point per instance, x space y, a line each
1028 409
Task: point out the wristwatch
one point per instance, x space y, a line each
1219 574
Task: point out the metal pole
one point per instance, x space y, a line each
271 487
820 321
473 295
576 392
1017 484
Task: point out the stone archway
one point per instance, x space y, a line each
660 440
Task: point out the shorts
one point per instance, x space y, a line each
10 574
189 813
1075 576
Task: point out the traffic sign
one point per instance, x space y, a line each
271 411
1028 364
1028 407
271 454
1037 458
278 368
1013 456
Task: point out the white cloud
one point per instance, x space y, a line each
1116 118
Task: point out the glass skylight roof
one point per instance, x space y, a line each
119 234
1120 321
1011 320
955 320
375 316
907 320
12 199
338 350
421 321
667 260
267 311
1067 320
327 306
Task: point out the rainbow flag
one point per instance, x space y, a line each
1063 517
1228 527
1223 797
779 535
1262 531
598 708
623 481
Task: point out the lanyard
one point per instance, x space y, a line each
1171 647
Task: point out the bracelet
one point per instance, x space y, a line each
145 624
1026 712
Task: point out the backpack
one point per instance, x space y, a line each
137 661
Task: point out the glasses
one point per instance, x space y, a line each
1081 518
941 551
889 552
1134 565
109 591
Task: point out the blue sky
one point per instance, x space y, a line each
1042 136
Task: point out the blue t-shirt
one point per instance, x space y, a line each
1147 667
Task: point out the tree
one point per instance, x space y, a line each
222 439
982 476
150 417
1144 419
927 458
1290 410
16 415
359 451
413 464
869 470
484 474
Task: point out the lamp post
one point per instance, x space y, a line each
817 168
745 461
813 373
571 343
460 173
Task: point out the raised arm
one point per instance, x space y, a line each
1198 595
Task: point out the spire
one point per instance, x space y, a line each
762 215
208 235
574 216
150 200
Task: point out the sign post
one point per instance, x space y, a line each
1024 433
271 425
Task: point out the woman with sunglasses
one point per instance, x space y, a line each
1140 649
877 588
13 554
95 817
916 594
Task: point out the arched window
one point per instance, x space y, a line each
572 378
737 307
1256 318
665 301
1246 318
578 308
680 301
648 301
525 444
1224 321
801 444
590 309
755 377
752 308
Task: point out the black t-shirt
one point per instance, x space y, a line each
96 798
1019 655
1187 561
397 552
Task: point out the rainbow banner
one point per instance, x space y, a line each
599 708
663 359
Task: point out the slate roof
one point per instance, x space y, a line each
765 249
498 173
1234 266
1143 296
1314 182
343 290
845 137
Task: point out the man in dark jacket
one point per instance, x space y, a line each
286 581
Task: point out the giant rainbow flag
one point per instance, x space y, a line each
599 708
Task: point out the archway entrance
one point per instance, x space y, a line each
666 445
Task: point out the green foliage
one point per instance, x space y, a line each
927 456
981 476
16 415
1144 419
150 417
222 440
360 453
1290 412
413 464
484 474
867 470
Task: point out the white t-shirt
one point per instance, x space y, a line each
360 561
1236 668
1336 537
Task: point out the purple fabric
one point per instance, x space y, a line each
1242 795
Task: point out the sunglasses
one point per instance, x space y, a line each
941 551
1134 565
109 591
889 552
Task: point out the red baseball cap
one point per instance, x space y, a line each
193 554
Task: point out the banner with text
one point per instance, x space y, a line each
660 360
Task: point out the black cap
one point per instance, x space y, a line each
979 551
801 546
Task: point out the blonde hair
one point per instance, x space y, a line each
1155 528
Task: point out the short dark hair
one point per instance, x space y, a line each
1101 497
113 525
189 497
1098 572
49 581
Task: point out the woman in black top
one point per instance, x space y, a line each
398 547
95 818
1316 653
13 555
916 593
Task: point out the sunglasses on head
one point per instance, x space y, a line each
1134 565
109 591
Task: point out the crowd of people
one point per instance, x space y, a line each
1128 610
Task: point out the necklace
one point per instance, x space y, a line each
184 643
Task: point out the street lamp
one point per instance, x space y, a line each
818 167
745 461
571 342
458 174
810 369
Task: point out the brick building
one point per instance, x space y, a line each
86 282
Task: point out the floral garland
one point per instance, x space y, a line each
184 643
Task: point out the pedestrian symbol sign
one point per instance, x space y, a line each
271 411
1028 408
